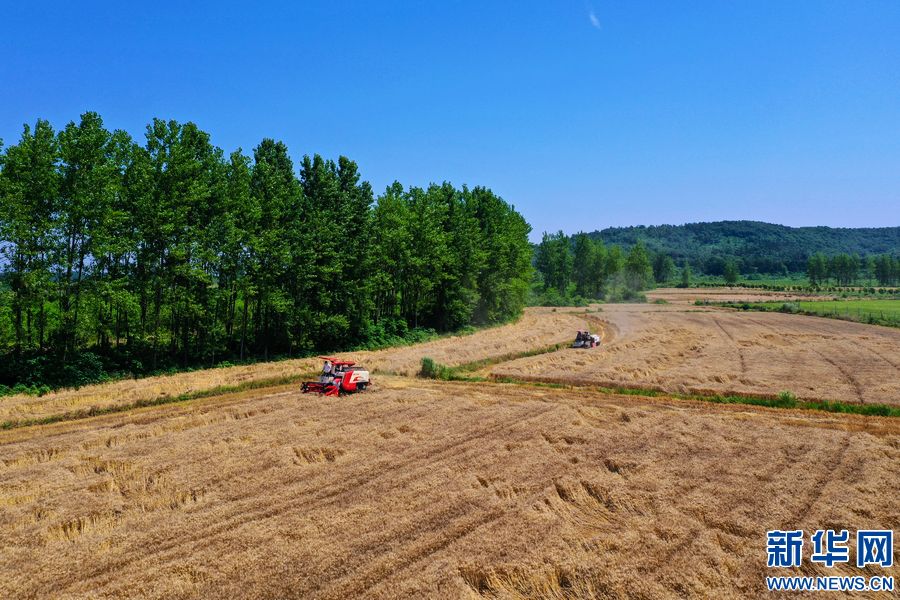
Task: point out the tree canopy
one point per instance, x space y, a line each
119 256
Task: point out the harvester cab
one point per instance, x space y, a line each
338 377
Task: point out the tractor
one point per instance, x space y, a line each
344 377
585 339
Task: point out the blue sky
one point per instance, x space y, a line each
582 114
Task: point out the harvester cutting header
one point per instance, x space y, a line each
338 377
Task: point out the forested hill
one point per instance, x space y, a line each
756 246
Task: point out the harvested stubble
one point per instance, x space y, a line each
431 489
719 351
727 294
538 328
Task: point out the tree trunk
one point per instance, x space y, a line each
244 326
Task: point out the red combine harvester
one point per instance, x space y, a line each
344 378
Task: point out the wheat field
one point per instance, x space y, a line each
719 351
434 489
421 488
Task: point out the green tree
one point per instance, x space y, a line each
112 248
638 270
503 283
583 263
868 265
844 268
87 221
428 249
887 269
817 269
31 186
231 243
457 289
596 271
731 273
663 268
685 276
614 261
288 230
391 253
356 220
184 167
555 261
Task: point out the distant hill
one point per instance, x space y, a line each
758 247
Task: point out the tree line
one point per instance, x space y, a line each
848 269
754 247
117 256
581 267
575 268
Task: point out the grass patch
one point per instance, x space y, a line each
487 362
793 283
784 400
434 370
874 312
28 390
883 310
877 410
